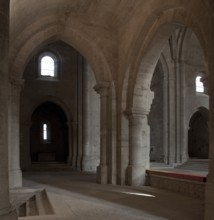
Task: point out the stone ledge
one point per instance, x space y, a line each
194 189
178 175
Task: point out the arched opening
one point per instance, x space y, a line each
175 43
72 89
48 134
198 135
156 116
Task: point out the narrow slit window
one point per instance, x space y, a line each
47 66
199 85
45 132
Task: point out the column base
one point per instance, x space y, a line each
74 162
79 162
102 174
15 178
209 201
8 214
86 163
171 160
136 175
184 158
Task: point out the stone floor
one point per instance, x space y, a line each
76 196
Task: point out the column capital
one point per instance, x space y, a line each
135 116
136 112
142 100
102 88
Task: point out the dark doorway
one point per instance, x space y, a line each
49 134
198 135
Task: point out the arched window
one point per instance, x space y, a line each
199 85
48 65
45 132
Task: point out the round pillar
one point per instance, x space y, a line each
139 138
139 148
209 192
86 156
102 170
6 211
15 174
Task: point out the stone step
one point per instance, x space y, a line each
31 202
159 165
21 210
44 204
31 206
195 164
45 217
185 183
50 167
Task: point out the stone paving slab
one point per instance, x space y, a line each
77 196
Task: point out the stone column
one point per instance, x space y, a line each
74 149
139 147
208 82
80 111
209 192
6 211
184 125
102 170
15 174
171 117
86 157
139 141
70 143
165 131
178 116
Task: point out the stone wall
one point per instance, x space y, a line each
175 99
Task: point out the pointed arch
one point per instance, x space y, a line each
147 52
54 32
